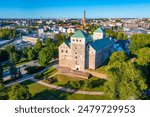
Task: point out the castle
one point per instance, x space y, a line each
84 51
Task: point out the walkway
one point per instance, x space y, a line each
54 64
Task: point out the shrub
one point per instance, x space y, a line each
38 76
33 69
52 80
75 84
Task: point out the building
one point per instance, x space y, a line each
84 19
41 30
83 51
31 39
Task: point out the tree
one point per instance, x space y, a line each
125 37
45 55
118 56
25 52
13 71
10 49
4 56
19 92
3 92
14 57
139 41
19 73
1 73
7 34
38 46
60 38
120 35
31 54
48 41
125 81
143 62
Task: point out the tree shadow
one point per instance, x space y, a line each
50 95
47 73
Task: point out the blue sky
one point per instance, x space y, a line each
74 8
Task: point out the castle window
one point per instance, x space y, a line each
62 51
73 40
76 57
75 52
77 40
75 47
66 51
80 40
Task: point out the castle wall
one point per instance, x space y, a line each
92 58
78 57
64 56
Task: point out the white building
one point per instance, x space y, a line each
41 30
70 30
31 39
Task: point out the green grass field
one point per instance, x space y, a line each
50 72
63 79
40 92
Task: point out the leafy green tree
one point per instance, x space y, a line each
48 41
143 62
45 55
1 73
4 56
19 92
10 49
125 37
8 34
139 41
118 56
60 38
125 81
31 54
120 35
3 92
25 52
13 71
14 57
19 73
38 46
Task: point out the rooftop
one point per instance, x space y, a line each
100 30
80 34
100 43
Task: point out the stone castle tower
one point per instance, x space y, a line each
78 49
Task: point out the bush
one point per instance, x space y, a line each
94 83
33 69
75 84
51 80
38 76
97 83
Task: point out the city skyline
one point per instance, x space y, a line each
74 9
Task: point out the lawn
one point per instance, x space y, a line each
40 92
63 80
50 71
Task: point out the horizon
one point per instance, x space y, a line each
36 9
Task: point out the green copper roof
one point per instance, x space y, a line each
80 34
100 30
68 42
101 43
